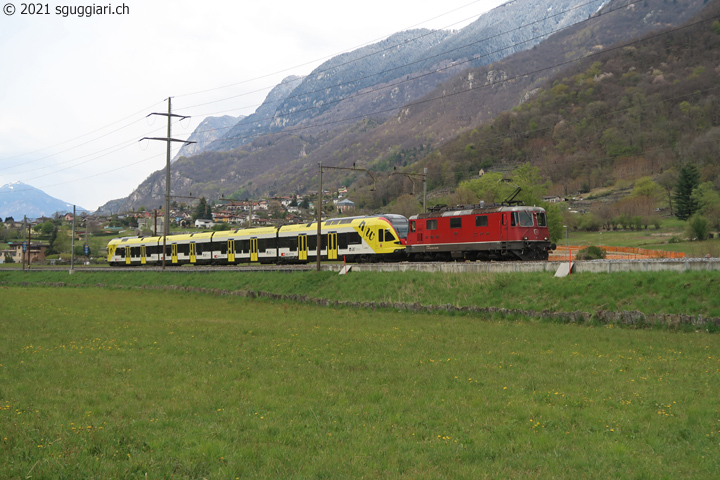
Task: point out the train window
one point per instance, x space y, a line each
481 221
381 236
342 241
412 226
456 222
513 219
354 238
526 219
389 237
431 225
541 219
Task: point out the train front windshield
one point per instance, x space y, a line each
400 223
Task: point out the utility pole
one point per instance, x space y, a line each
416 175
320 196
86 247
24 244
169 139
318 207
72 244
28 245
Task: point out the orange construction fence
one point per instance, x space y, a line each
561 253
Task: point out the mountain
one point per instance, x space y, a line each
391 112
638 109
409 64
18 199
258 122
209 130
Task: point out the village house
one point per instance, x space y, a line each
345 206
36 251
204 223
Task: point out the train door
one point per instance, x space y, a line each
253 249
231 250
302 247
332 246
143 255
127 256
193 253
174 253
503 226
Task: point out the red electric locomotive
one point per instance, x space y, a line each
506 231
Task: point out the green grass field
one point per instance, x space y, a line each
96 383
690 293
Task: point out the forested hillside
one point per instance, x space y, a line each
628 119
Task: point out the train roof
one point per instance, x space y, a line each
243 231
445 211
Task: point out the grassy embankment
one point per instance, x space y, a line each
691 293
671 229
103 384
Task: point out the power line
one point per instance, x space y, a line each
292 130
380 73
81 136
421 60
336 54
427 100
149 107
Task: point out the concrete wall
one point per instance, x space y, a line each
595 266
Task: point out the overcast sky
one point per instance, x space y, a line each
75 91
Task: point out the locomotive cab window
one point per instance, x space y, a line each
481 221
541 219
525 219
412 225
389 237
456 222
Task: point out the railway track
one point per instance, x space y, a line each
580 266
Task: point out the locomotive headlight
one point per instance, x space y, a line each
524 238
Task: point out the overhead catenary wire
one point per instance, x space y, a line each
311 62
614 112
420 60
149 107
81 136
294 129
379 73
439 97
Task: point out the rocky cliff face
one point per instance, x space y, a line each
409 64
395 85
207 132
247 129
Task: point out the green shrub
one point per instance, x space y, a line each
697 227
591 253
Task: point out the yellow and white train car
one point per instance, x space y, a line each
357 239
